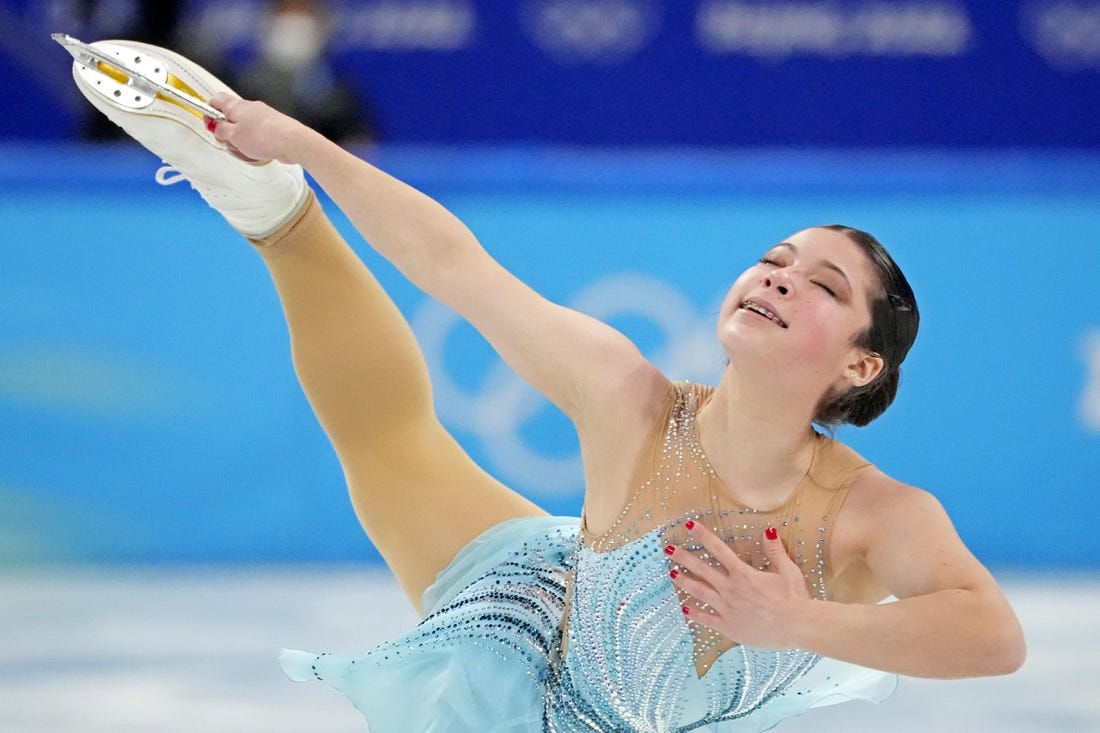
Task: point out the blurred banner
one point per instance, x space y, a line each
615 72
149 412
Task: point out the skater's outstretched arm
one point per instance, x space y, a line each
588 369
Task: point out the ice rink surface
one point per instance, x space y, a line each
184 650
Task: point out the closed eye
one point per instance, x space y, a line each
825 287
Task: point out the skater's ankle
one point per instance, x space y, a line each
296 228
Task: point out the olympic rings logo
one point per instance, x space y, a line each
504 404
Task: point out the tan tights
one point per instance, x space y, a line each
417 494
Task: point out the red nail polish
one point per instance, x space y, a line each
211 124
672 574
771 533
669 549
685 609
690 524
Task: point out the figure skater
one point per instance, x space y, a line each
729 565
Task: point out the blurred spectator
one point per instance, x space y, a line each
293 73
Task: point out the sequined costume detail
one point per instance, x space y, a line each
489 655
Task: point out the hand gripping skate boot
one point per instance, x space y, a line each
160 99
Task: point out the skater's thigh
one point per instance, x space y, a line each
421 499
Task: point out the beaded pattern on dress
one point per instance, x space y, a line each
512 612
632 660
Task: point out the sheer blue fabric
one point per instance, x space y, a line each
487 657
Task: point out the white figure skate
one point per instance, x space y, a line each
161 100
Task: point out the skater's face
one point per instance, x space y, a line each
808 296
793 319
826 309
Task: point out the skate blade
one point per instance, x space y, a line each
132 80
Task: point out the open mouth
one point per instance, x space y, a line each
757 308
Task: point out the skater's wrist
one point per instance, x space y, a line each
305 146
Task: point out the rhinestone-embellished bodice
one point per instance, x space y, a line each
624 624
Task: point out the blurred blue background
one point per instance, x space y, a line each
626 157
